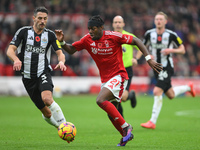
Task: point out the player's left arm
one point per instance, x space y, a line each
178 43
179 50
61 59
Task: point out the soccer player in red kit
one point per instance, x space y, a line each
105 49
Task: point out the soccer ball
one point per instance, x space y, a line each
67 131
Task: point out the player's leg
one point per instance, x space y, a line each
157 105
129 95
178 90
120 109
46 114
133 99
116 125
31 87
55 109
46 88
113 89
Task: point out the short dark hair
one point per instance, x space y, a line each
40 9
97 19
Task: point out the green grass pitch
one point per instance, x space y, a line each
23 128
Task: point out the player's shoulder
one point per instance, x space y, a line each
86 36
170 31
24 28
125 32
49 31
113 34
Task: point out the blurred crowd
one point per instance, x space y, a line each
72 15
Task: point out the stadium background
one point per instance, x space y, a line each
72 15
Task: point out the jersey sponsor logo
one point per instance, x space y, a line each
34 49
102 51
159 46
37 38
93 44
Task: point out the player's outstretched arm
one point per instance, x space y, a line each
67 47
179 50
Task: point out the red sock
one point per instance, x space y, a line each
117 126
112 112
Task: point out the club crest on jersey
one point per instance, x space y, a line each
106 43
44 40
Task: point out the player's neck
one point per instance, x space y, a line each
119 31
37 31
160 30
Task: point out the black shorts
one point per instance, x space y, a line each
129 70
164 80
34 88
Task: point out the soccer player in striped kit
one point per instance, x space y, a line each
105 49
33 45
162 43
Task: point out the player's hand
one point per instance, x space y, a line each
167 51
155 66
59 35
134 62
61 65
17 65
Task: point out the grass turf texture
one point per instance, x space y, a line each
23 128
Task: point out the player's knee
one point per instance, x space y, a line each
47 115
47 100
46 112
124 99
99 101
171 97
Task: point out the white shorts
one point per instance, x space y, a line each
116 85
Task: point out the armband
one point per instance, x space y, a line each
148 57
62 43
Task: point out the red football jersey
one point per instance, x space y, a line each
106 52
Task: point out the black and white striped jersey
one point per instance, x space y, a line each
34 50
156 43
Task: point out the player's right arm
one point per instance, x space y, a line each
12 55
67 47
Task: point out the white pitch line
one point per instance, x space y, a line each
189 113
